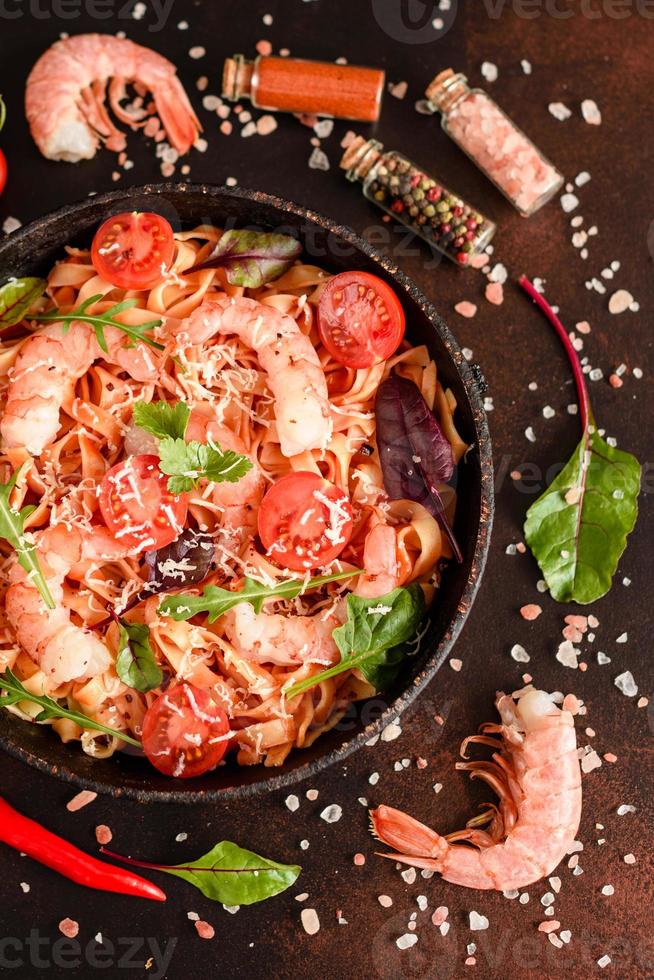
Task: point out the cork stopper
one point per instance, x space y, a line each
446 89
360 157
237 78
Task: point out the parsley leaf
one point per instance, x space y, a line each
186 463
162 419
12 529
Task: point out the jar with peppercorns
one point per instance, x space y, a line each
420 201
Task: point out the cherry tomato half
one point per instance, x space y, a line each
184 732
137 506
304 521
3 171
360 319
133 250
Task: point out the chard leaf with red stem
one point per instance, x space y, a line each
577 530
228 874
16 297
414 452
252 258
187 561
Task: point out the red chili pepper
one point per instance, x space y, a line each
30 837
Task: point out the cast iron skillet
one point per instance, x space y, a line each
33 250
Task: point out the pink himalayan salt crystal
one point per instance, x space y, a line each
266 125
69 928
610 757
152 126
470 961
82 799
359 860
581 622
531 611
495 293
225 127
479 260
571 632
615 381
583 326
103 834
550 926
204 929
571 704
264 48
464 308
508 157
440 915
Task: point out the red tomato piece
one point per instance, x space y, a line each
133 250
360 319
137 506
304 521
185 733
3 171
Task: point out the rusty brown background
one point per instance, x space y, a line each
603 51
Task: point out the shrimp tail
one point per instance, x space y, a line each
176 113
414 840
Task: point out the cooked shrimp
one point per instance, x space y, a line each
63 651
295 375
48 364
536 775
65 95
380 562
287 640
239 502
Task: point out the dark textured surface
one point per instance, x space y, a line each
583 57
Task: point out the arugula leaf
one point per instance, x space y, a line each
577 529
16 693
162 419
186 463
216 601
136 332
373 638
228 873
252 258
12 529
135 663
16 297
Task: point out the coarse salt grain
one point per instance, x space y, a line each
292 802
626 684
406 941
197 52
569 202
312 795
477 922
603 961
530 435
385 901
440 915
69 928
489 71
519 654
456 664
266 124
591 113
399 90
608 890
408 875
10 224
25 887
310 921
391 732
332 813
526 66
318 160
567 655
629 859
359 860
625 808
494 293
590 761
82 799
559 110
466 309
620 301
103 834
204 929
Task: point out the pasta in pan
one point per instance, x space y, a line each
239 401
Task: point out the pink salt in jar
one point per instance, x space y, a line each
493 141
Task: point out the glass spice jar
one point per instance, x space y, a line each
492 140
319 88
420 201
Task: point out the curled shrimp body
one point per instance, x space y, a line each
380 562
282 639
295 375
535 772
63 651
47 366
239 502
65 94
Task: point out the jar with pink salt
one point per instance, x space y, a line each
493 141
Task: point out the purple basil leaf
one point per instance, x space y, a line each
415 455
185 562
252 258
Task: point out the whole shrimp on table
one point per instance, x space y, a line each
66 90
535 772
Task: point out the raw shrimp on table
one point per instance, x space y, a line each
295 374
535 772
63 651
48 364
66 90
